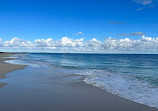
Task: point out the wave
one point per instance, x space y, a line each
124 86
20 62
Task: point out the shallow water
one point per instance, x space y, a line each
35 89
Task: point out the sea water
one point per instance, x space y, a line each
131 76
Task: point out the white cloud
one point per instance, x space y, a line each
144 44
79 33
16 42
94 43
44 42
144 2
0 41
65 41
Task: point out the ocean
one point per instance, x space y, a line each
130 76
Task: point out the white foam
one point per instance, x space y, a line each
123 86
20 62
11 57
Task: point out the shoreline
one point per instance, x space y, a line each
6 67
76 94
112 102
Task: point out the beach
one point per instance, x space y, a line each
5 67
45 89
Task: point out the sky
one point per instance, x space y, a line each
79 25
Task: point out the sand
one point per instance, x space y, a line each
6 67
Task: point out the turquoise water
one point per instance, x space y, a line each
131 76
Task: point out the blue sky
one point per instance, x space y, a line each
79 26
36 19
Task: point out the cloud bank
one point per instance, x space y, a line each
65 44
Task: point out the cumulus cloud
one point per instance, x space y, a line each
16 42
44 42
65 41
144 44
0 41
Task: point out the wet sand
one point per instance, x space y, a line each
6 67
